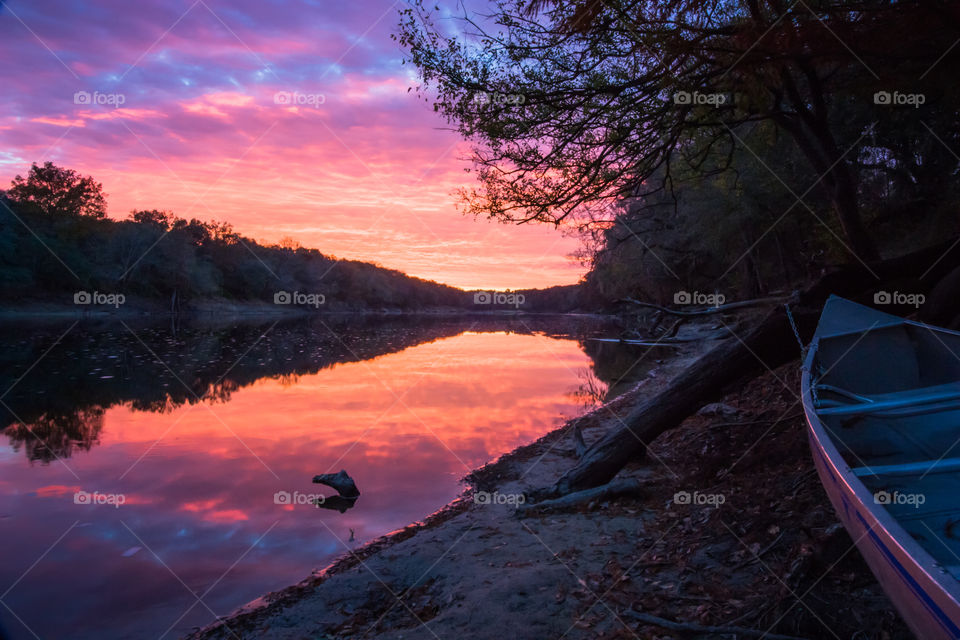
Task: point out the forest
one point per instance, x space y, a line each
56 239
733 147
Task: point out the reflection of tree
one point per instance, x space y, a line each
592 391
621 366
165 404
54 436
60 383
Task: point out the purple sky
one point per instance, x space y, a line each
285 117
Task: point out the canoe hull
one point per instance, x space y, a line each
915 590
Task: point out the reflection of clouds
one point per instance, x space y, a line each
199 499
55 435
226 515
56 490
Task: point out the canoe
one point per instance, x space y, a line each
881 396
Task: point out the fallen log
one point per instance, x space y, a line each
641 343
691 627
580 446
662 342
722 308
613 489
767 346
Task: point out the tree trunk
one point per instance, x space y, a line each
812 134
847 208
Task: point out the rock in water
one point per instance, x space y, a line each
342 482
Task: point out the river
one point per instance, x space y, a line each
152 476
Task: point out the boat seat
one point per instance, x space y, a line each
915 401
909 468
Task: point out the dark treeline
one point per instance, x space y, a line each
738 147
742 232
55 239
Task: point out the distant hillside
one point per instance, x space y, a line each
154 255
566 298
58 247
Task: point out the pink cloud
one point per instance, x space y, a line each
366 172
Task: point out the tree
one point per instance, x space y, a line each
152 217
738 231
54 190
582 104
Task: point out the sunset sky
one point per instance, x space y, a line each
283 117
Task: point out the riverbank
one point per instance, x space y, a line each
731 529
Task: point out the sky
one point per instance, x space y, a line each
286 118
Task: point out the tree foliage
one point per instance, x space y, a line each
576 106
53 190
54 242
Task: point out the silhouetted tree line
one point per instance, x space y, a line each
738 146
55 239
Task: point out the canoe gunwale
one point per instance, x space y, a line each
874 516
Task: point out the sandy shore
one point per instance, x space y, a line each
732 528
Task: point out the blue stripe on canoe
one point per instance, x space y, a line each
939 614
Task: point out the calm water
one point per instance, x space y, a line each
195 430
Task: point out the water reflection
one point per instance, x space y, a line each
55 435
199 429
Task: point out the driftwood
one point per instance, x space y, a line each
768 345
610 490
772 342
580 446
662 342
742 304
641 343
690 627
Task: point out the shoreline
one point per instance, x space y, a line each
765 552
480 476
252 311
484 477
